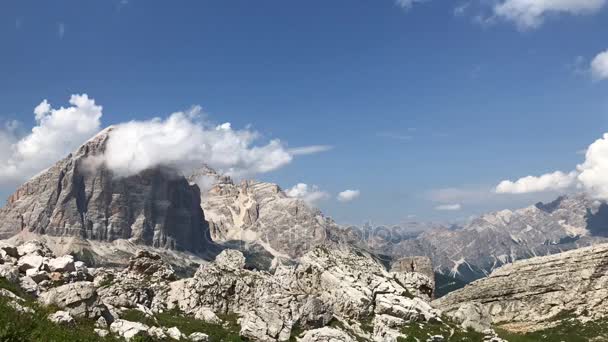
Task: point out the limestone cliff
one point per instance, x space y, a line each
75 197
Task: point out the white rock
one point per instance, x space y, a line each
28 285
205 314
157 332
230 260
34 247
79 298
128 329
101 323
30 261
80 266
472 316
198 337
326 334
11 273
62 264
175 334
61 317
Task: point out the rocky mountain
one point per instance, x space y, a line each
540 292
76 198
339 295
258 213
495 239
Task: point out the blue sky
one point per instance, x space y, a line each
414 100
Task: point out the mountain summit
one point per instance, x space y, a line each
79 197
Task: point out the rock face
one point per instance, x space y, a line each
332 294
326 285
495 239
74 198
257 212
528 294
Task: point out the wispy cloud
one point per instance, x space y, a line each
61 30
304 150
461 9
449 207
18 23
395 136
407 4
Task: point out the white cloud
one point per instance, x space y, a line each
57 133
348 195
449 207
599 66
407 4
548 182
184 141
461 9
297 151
310 194
529 14
590 176
593 173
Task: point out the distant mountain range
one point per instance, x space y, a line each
160 208
494 239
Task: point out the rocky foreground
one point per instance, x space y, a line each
331 295
538 293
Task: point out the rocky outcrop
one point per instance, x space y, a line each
331 294
340 284
261 213
78 197
535 293
79 299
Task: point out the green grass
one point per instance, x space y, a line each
228 332
27 327
416 332
14 288
569 330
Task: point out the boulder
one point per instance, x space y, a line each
80 266
150 264
205 314
128 329
80 299
61 317
34 247
28 285
472 315
230 260
62 264
198 337
10 251
10 273
30 261
175 334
